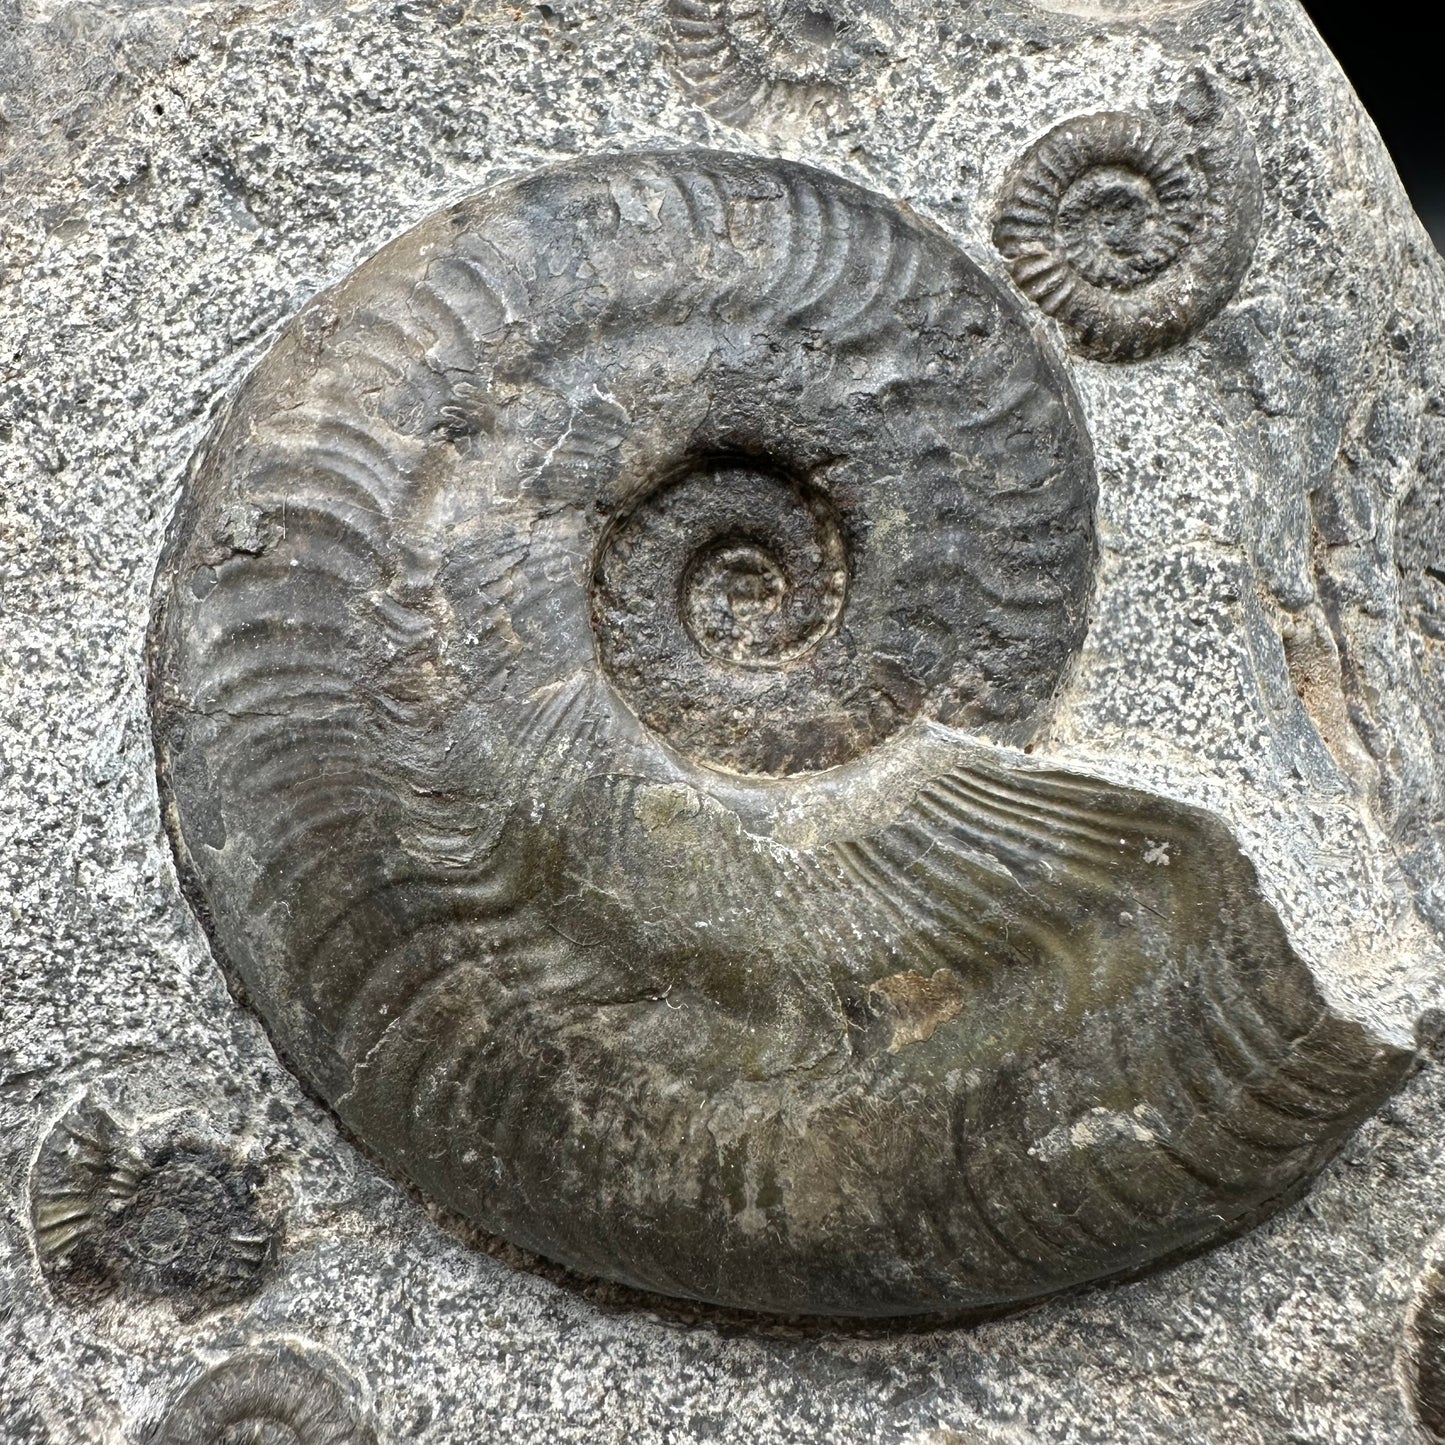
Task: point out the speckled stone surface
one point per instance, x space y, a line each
176 181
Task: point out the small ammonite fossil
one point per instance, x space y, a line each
590 670
269 1395
765 59
1133 230
158 1214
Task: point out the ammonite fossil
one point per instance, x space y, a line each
743 59
272 1395
1130 229
160 1215
592 672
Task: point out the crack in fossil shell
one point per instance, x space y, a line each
1133 231
595 516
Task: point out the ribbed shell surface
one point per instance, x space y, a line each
798 986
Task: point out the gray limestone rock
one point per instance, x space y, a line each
672 668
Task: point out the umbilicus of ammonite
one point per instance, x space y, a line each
603 667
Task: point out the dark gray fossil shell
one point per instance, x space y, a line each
1426 1370
558 671
160 1215
276 1395
1130 229
763 59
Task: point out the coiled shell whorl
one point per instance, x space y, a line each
157 1213
1133 230
269 1395
774 60
587 669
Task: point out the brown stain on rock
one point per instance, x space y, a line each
918 1004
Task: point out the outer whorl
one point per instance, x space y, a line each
562 665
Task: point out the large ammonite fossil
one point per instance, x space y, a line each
592 670
1133 230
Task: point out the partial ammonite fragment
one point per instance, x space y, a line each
276 1394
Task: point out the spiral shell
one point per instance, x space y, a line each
1133 231
273 1395
746 60
558 670
158 1215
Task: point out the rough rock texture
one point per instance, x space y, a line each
1264 643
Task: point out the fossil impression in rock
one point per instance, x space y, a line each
1133 230
158 1215
275 1393
593 670
746 60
